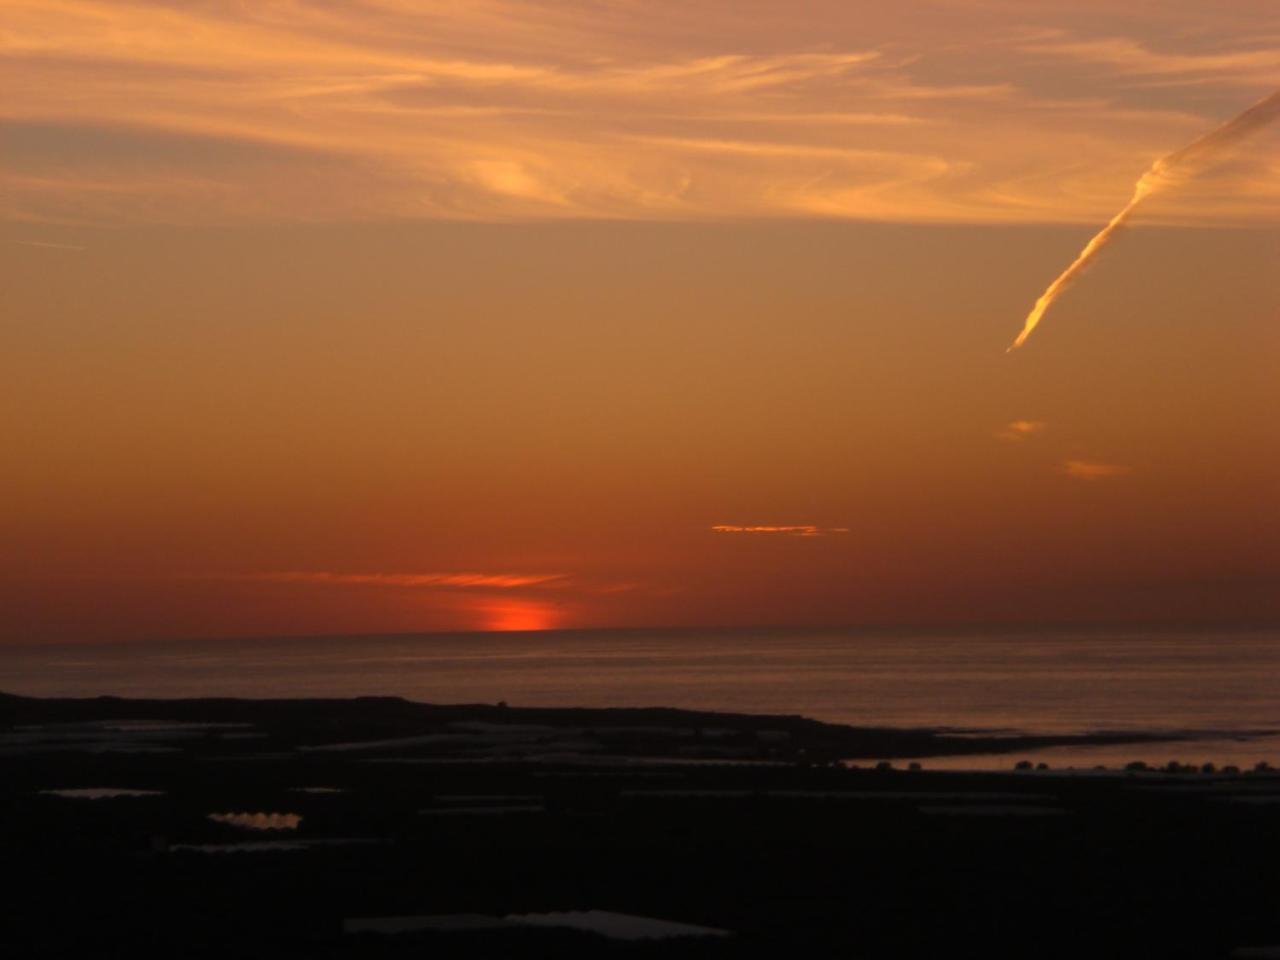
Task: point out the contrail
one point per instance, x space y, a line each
1176 168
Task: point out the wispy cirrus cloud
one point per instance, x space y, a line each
520 109
1247 64
791 530
1093 470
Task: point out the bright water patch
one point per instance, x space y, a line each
100 793
259 821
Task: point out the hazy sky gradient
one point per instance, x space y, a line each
383 316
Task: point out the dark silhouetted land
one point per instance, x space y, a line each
496 818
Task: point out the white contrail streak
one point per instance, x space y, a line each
1176 168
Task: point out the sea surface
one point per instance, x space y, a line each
1220 688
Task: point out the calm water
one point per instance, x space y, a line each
1219 685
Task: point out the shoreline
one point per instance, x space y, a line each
382 725
381 827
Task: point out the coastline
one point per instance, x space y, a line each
393 725
385 828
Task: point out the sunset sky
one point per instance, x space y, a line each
411 315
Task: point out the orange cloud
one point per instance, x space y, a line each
1021 429
516 109
496 581
794 530
1088 470
1247 67
45 245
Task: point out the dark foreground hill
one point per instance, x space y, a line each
261 829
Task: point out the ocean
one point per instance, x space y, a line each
1219 688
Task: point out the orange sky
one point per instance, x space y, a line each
380 316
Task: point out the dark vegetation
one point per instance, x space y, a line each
613 810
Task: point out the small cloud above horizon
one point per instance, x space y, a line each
792 530
50 245
1089 470
499 581
1021 429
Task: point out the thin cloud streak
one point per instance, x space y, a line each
793 530
492 581
49 245
1091 470
1246 67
